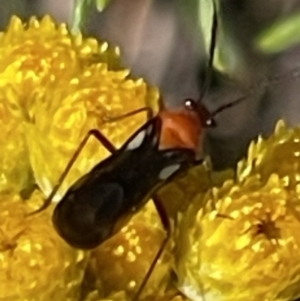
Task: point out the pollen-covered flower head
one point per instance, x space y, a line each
243 244
246 249
54 88
278 154
35 263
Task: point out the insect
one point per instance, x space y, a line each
102 201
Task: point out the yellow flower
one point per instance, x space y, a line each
35 263
249 247
279 154
94 296
179 194
54 88
128 256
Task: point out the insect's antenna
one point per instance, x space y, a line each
101 138
212 50
228 105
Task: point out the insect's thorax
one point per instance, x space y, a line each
180 129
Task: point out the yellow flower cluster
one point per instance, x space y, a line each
128 256
35 264
54 87
237 241
249 247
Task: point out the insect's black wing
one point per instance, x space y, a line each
86 216
146 137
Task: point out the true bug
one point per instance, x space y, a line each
98 204
101 202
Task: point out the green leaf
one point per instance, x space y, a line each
283 34
101 4
205 17
81 10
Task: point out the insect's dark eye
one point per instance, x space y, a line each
210 123
190 104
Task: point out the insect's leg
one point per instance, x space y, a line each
101 138
167 226
146 110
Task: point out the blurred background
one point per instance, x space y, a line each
166 41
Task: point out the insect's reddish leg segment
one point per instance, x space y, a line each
148 111
101 138
167 226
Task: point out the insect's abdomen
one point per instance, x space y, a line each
86 217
